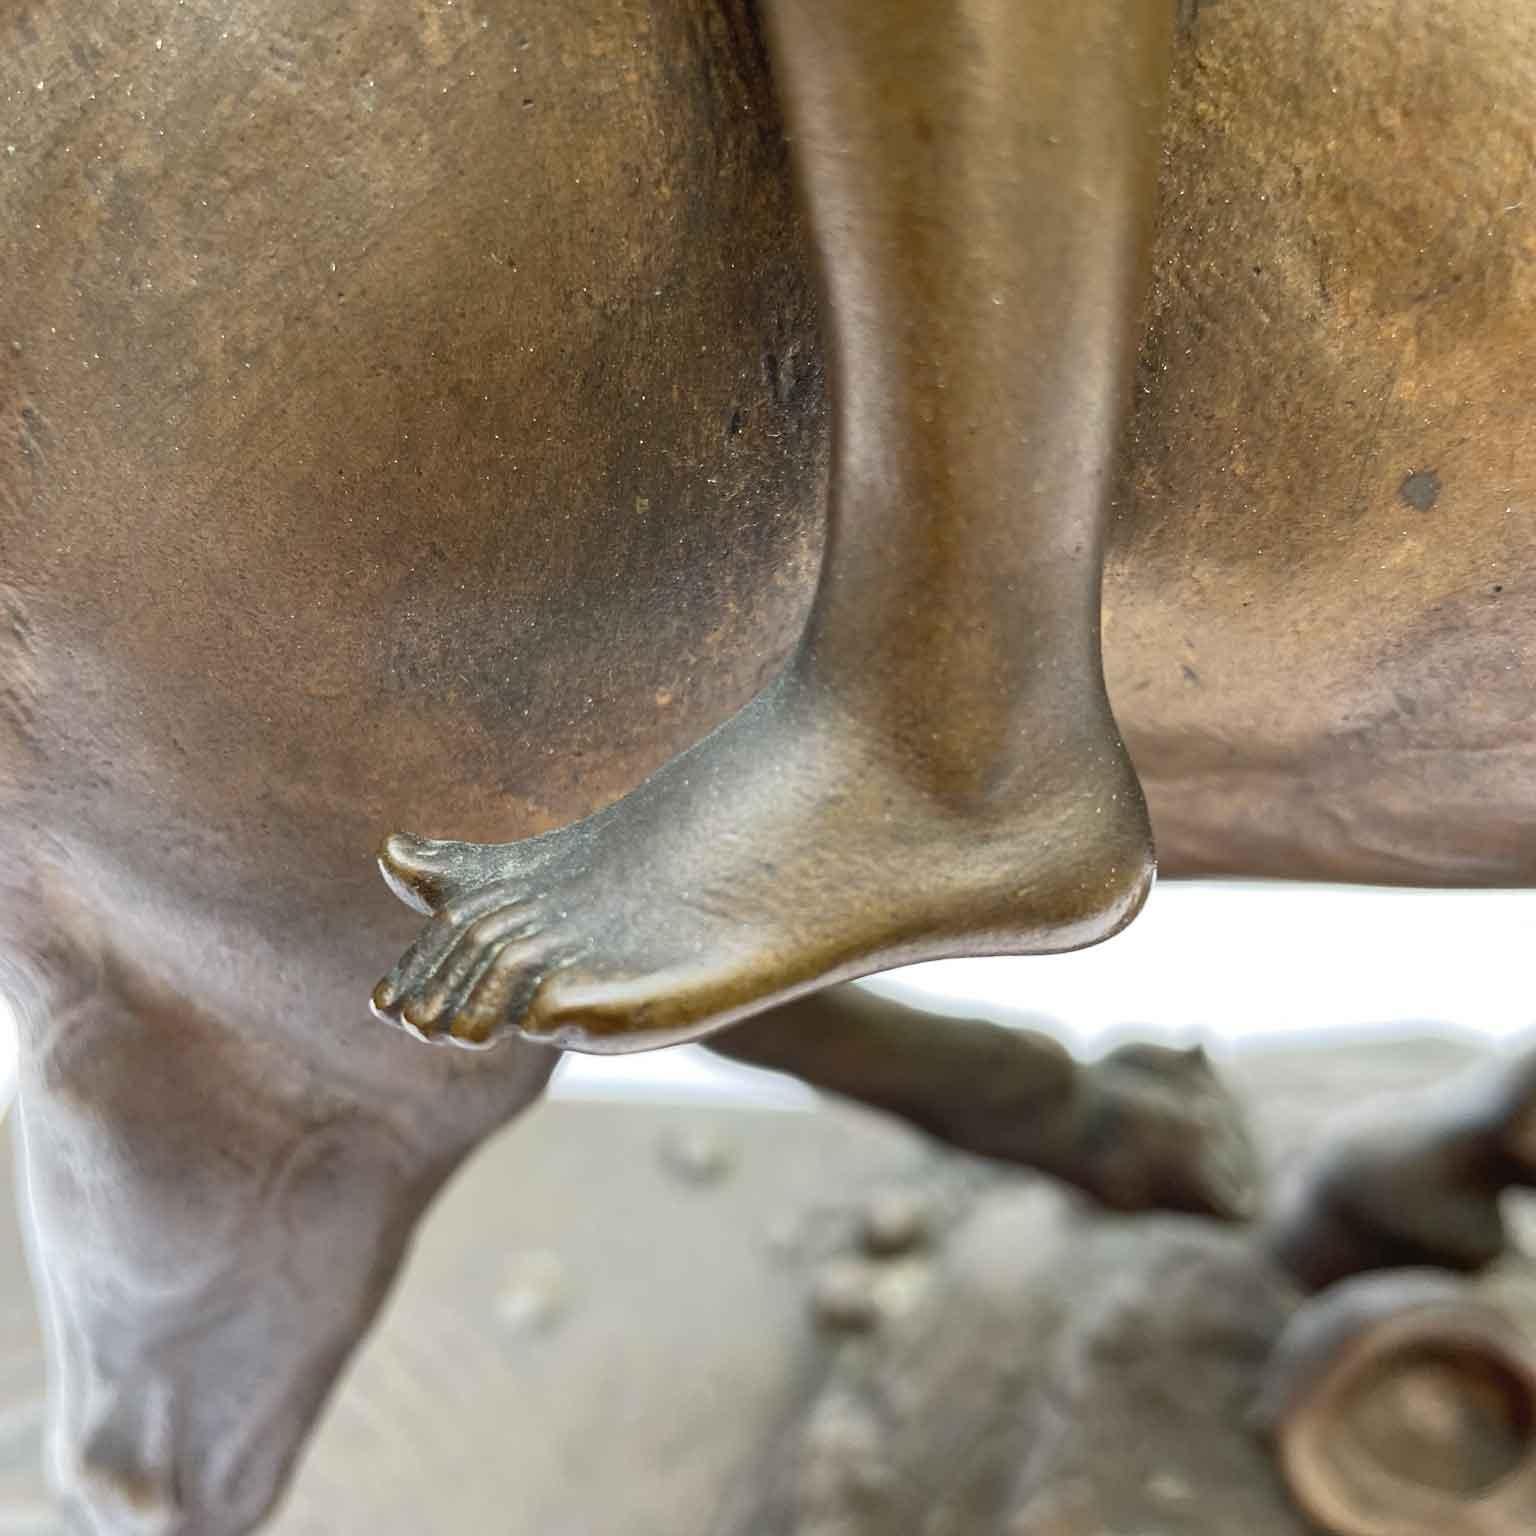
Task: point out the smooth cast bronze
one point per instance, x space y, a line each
935 770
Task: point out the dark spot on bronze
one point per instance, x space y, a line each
1421 490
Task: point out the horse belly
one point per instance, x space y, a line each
423 428
1319 622
422 425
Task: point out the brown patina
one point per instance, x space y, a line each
443 420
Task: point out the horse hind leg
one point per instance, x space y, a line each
212 1232
1143 1127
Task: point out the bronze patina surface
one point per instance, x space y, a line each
844 1325
443 419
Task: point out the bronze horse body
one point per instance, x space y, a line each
422 420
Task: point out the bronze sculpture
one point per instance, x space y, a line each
848 1327
427 425
1026 1367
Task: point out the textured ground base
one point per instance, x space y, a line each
606 1326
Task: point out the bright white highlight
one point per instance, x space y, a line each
1223 962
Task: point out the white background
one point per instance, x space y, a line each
1220 962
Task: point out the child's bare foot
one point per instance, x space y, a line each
938 772
790 848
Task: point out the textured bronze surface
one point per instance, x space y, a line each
442 419
509 1388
